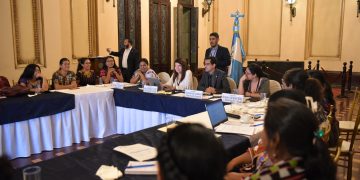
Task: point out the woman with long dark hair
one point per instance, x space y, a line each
254 82
64 78
111 72
182 78
33 79
294 144
191 152
85 75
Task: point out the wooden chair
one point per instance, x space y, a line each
274 86
347 147
232 83
4 82
195 83
164 77
347 126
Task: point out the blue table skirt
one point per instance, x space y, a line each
180 106
15 109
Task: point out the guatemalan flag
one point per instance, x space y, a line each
237 51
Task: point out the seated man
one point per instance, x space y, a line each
213 80
143 73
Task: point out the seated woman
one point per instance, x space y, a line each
182 78
111 72
294 156
256 158
190 151
85 75
143 73
33 79
64 78
254 82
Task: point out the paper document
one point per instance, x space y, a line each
141 168
139 152
236 129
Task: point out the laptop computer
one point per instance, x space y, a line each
216 113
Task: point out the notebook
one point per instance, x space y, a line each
141 168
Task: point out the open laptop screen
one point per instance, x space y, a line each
216 113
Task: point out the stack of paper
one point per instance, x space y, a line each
108 172
139 152
141 168
244 129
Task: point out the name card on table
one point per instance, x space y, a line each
194 94
232 98
118 85
150 89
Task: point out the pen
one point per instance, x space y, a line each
141 166
257 125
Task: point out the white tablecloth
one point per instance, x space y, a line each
132 120
94 116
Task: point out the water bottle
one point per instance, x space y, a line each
100 81
111 80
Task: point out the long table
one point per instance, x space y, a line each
136 110
95 116
83 164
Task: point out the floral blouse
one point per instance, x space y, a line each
84 78
292 169
63 80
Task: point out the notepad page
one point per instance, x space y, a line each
235 129
139 152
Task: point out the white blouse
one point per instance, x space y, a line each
186 83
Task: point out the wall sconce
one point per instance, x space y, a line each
292 8
208 6
113 2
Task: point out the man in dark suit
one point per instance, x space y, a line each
128 59
221 53
213 80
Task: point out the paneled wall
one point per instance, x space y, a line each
327 30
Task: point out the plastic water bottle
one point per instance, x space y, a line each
100 81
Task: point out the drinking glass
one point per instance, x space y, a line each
32 173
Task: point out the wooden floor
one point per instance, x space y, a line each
343 105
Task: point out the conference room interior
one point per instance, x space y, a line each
106 74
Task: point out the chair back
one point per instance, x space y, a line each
353 106
274 86
356 103
232 83
164 77
195 83
4 82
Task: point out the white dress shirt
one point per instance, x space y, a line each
186 83
124 63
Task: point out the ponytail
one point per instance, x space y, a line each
167 164
318 163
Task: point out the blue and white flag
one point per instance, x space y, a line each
237 51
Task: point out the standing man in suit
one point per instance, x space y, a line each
128 59
221 53
213 80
